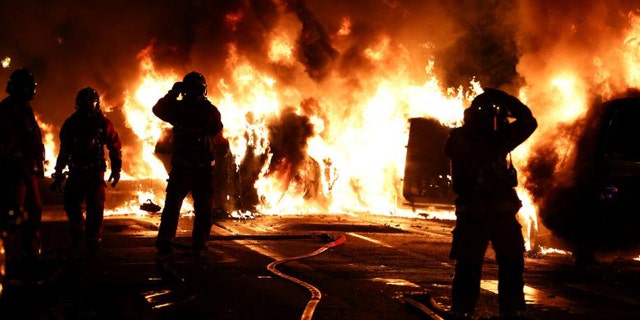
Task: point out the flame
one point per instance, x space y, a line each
366 160
281 50
345 27
147 127
143 164
133 206
527 215
544 250
379 51
50 144
570 93
282 43
631 53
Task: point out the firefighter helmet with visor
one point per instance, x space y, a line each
88 101
485 113
194 84
22 84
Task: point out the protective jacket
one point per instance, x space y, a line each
195 123
21 147
82 142
480 172
21 165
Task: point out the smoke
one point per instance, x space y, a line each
288 134
315 50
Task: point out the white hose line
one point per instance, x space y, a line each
315 293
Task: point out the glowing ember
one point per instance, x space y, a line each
6 62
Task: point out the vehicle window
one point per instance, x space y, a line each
622 140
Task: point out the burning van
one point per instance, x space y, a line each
598 209
427 175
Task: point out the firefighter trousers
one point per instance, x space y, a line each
471 238
90 188
182 180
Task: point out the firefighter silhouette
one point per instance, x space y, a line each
487 203
196 121
21 160
83 138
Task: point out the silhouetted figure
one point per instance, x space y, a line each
21 160
83 138
487 203
196 121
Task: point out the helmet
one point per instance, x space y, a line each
22 84
484 113
88 101
194 84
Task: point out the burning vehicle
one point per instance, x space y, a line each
427 174
596 208
234 183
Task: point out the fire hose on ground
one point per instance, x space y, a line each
316 295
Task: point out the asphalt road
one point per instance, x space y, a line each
268 268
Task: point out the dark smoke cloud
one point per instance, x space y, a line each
315 50
486 46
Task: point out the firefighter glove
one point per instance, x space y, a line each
176 90
114 178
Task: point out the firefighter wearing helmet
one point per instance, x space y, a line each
196 121
21 160
84 136
486 204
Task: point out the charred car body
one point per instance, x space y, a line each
598 208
